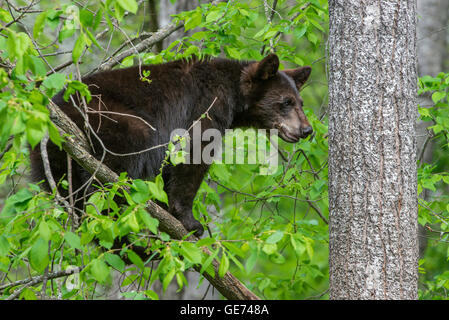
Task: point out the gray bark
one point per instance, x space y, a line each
153 21
372 150
166 9
433 17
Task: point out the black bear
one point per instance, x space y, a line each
246 94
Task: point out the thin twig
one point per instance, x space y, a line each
35 280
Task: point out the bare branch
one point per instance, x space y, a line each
35 280
160 35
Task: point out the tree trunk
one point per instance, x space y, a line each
432 29
372 150
153 21
167 9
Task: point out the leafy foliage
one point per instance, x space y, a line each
269 230
433 178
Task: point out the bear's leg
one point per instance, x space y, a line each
181 185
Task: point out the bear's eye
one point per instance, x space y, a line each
287 102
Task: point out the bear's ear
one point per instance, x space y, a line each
267 67
256 71
299 75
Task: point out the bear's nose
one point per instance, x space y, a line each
307 131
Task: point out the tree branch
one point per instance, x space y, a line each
35 280
160 35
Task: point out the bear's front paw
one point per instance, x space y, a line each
192 224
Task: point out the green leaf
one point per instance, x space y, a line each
212 16
270 34
157 189
312 38
437 128
97 19
446 179
277 258
128 280
55 81
27 294
128 5
191 252
309 247
5 16
269 248
93 39
205 242
234 249
275 237
99 270
4 246
181 280
131 222
18 43
86 17
424 112
18 125
95 202
429 184
243 12
193 21
135 259
73 240
39 24
37 66
224 265
297 245
115 261
437 96
168 278
233 53
140 192
220 172
151 294
66 33
236 262
54 134
164 236
199 35
299 32
74 86
44 230
206 266
78 48
35 131
150 222
316 24
251 262
38 255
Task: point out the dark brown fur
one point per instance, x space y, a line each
250 94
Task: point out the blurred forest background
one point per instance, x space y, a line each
270 231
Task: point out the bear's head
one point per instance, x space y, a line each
272 98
